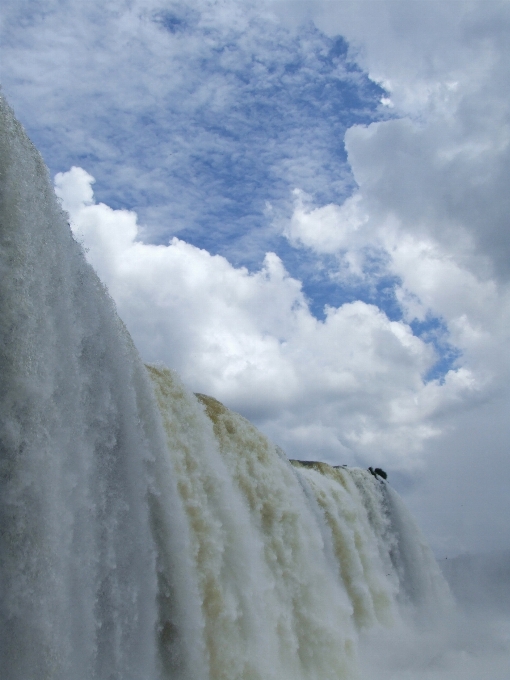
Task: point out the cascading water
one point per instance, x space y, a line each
88 507
148 533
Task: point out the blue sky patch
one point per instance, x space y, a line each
433 330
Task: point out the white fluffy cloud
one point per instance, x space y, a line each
330 228
349 388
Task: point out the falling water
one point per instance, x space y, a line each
148 533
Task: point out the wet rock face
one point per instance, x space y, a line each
378 472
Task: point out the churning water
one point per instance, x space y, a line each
148 533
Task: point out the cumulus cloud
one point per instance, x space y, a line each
349 388
326 229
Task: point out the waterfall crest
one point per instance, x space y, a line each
152 534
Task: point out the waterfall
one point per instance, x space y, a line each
148 533
89 511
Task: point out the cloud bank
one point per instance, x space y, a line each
349 388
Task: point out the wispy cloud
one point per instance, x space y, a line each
194 114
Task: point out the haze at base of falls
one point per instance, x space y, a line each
148 533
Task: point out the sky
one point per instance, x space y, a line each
303 208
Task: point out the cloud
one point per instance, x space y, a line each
327 229
193 114
349 388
